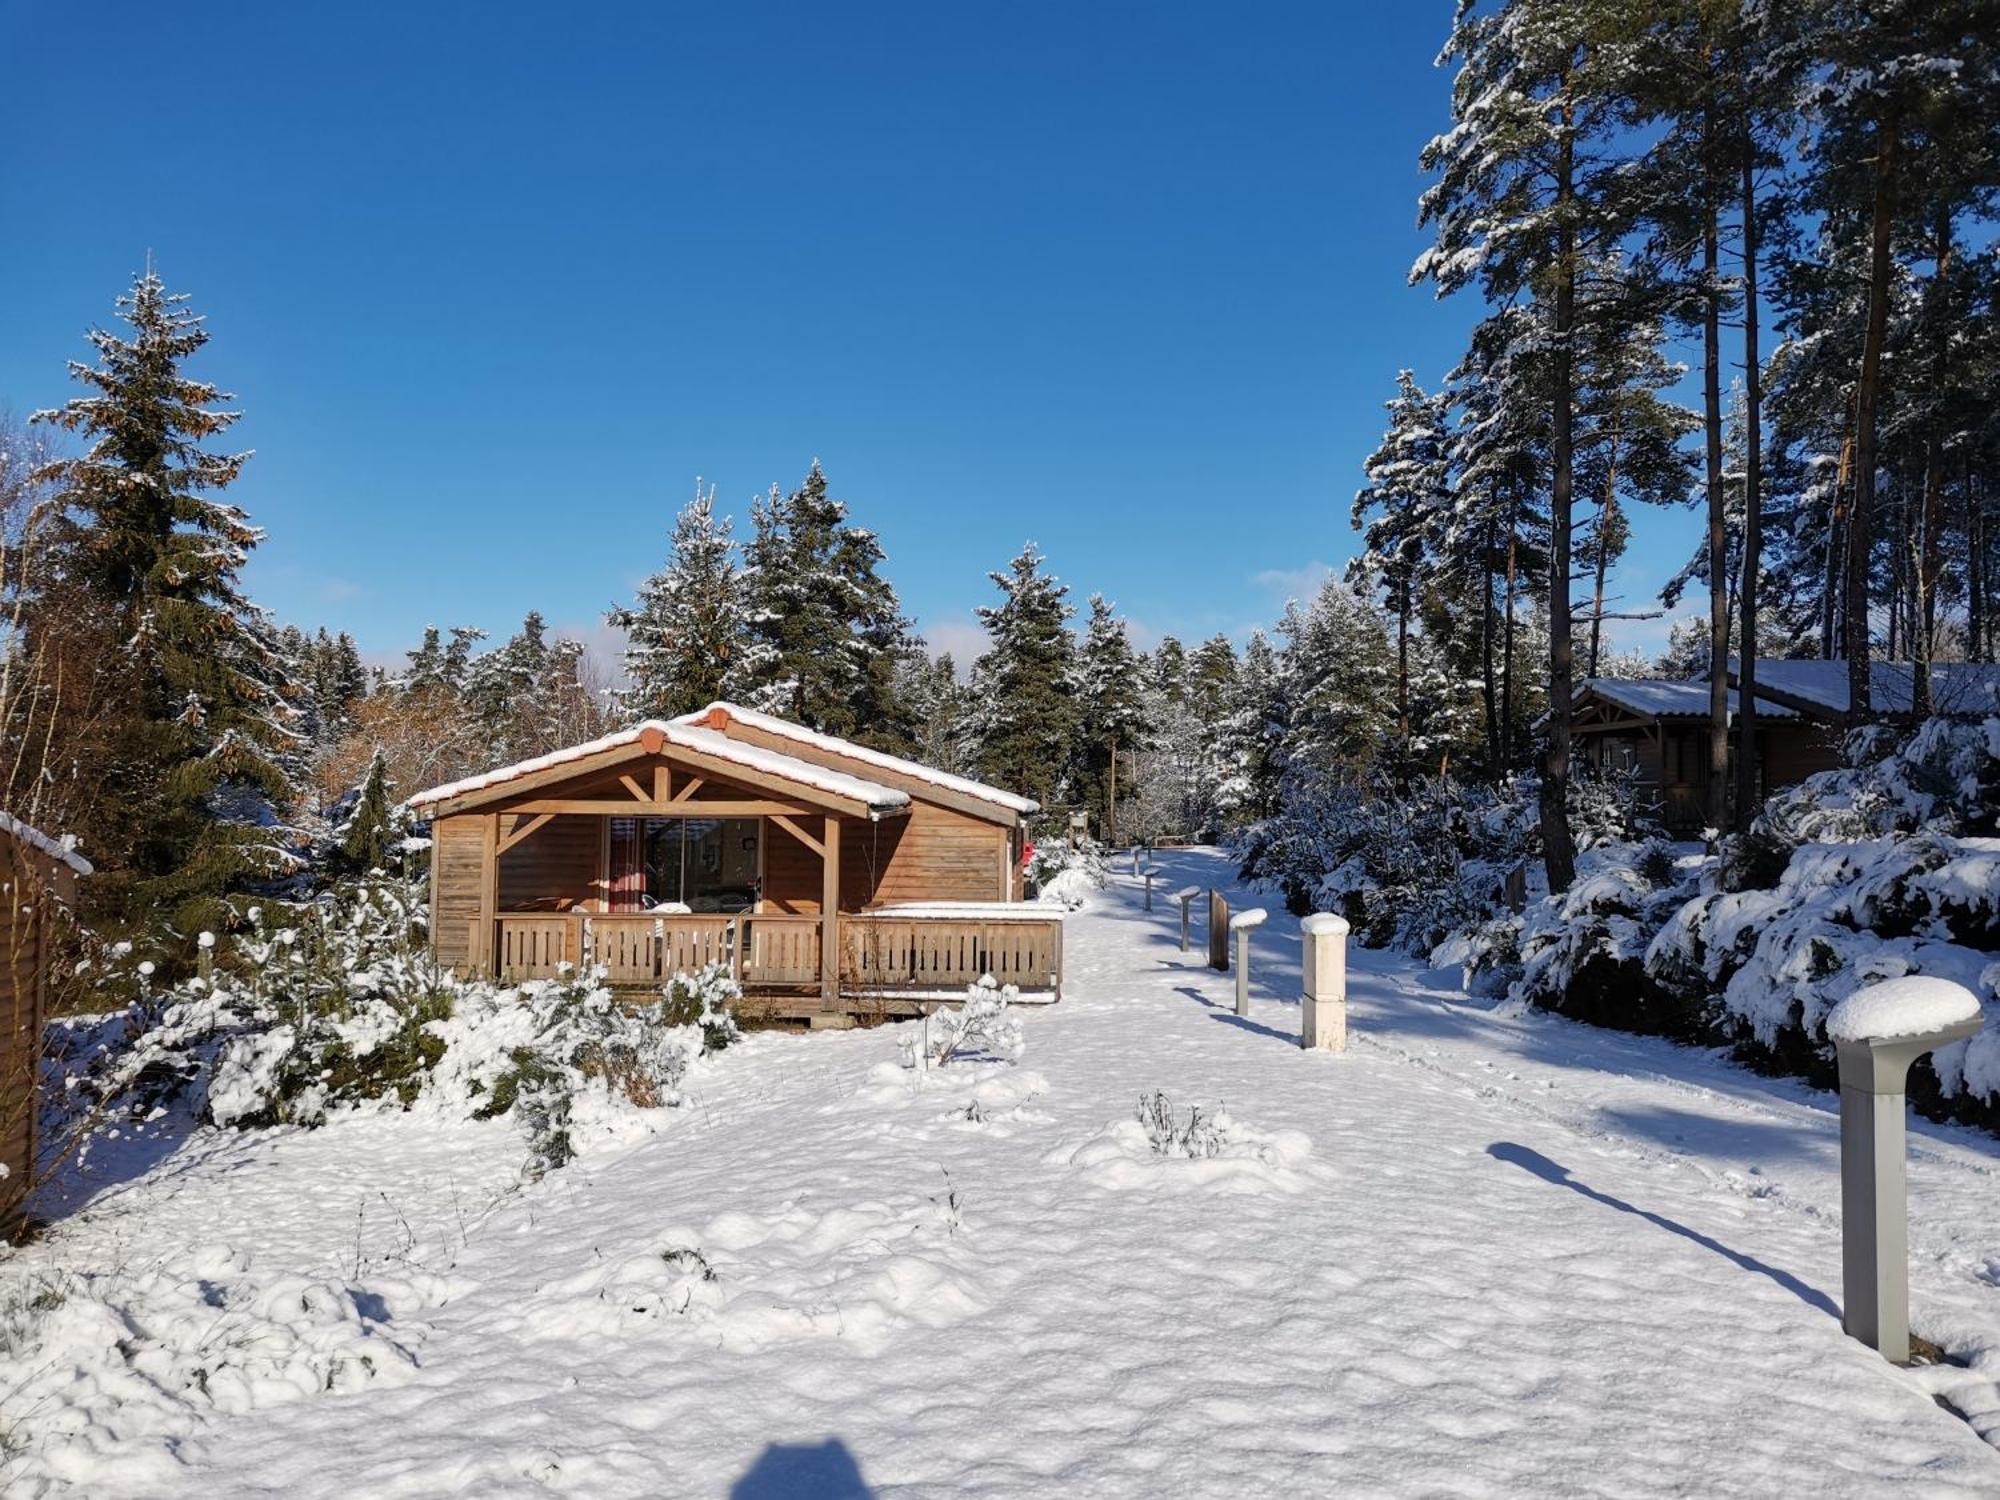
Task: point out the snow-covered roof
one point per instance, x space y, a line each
687 737
1664 698
829 744
58 849
1956 687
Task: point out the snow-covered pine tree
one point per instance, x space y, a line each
1340 684
1025 683
684 632
1526 195
1255 733
194 788
933 702
364 838
1400 512
1110 695
825 629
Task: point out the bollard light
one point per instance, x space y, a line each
1243 924
1185 895
1323 1007
1878 1032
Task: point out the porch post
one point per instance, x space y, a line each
484 958
829 917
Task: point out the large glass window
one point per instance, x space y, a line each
703 864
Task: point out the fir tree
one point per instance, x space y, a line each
194 766
364 838
685 631
825 629
1025 683
1111 703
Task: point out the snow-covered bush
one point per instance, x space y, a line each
1410 866
980 1028
1853 876
1066 873
1197 1137
344 1008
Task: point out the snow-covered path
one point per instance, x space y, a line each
1521 1256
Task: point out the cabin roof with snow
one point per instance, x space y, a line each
60 850
813 783
1664 698
1819 687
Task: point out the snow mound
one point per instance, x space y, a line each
1908 1006
113 1357
1069 888
1234 1158
856 1273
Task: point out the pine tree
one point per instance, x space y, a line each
1400 513
685 631
1256 732
1525 198
1025 683
1110 695
1340 686
825 628
193 769
364 839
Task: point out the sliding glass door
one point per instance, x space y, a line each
690 864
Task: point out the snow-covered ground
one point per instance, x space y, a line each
1480 1254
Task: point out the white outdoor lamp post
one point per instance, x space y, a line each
1323 1007
1243 924
1185 895
1878 1032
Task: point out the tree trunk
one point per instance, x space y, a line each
1558 847
1753 509
1486 652
1975 568
1867 402
1111 795
1923 638
1604 515
1833 613
1507 635
1717 809
1403 680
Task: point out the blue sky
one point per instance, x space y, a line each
494 283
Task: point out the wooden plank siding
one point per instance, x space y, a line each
457 846
32 884
931 854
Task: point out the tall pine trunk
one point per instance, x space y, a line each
1975 567
1923 638
1717 810
1753 508
1867 403
1403 679
1558 847
1507 638
1603 559
1486 652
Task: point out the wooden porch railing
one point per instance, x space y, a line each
883 953
891 953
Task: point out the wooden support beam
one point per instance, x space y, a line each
614 808
663 783
483 957
639 793
695 784
829 916
517 830
799 833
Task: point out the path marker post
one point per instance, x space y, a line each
1323 1007
1185 895
1149 890
1877 1033
1243 924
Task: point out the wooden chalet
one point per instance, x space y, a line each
36 875
1658 728
830 877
